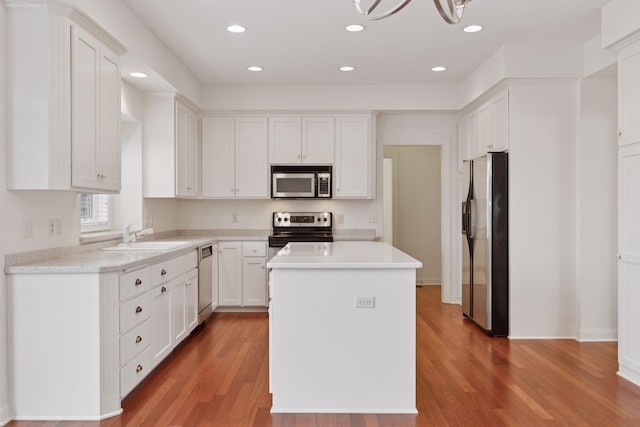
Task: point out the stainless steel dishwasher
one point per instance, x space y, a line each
205 282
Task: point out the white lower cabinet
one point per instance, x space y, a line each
242 274
161 342
174 300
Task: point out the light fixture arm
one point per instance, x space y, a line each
451 15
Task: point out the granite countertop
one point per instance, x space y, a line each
91 258
342 254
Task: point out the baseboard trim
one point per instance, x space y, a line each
598 335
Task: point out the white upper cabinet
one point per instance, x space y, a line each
354 171
235 157
486 128
629 95
170 147
95 114
64 100
301 140
187 160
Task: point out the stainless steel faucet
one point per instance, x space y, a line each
128 237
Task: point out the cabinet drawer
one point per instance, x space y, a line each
134 312
132 373
174 267
254 249
134 283
135 341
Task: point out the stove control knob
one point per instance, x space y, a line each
286 219
325 220
319 219
279 219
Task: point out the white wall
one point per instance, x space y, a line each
596 225
542 165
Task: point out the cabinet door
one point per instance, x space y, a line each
317 140
84 110
629 95
485 135
191 301
230 273
187 151
218 157
252 167
285 140
178 312
473 136
629 261
463 139
254 281
352 158
161 339
109 157
500 122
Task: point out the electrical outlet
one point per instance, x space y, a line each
340 218
234 218
373 219
148 221
365 302
58 226
52 227
27 228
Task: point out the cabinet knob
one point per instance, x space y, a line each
138 282
139 368
299 156
619 256
619 133
188 283
189 188
163 289
163 272
138 309
138 339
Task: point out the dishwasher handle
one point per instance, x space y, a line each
206 252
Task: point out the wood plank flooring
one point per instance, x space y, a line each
219 377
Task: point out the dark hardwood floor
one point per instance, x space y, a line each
219 377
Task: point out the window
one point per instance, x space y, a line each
94 213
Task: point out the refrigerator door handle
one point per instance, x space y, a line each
470 218
464 218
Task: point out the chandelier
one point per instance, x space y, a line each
452 13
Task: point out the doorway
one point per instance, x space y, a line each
412 206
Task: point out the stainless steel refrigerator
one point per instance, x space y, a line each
485 242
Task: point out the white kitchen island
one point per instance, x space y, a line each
342 328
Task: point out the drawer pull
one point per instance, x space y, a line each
163 272
139 368
138 309
163 289
188 283
138 282
138 339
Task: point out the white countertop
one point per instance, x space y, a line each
342 255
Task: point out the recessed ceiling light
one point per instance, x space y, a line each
138 75
354 28
472 28
347 68
254 68
236 29
438 69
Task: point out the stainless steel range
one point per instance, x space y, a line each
301 227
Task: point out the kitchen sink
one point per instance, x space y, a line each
145 246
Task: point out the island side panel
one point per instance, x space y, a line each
328 355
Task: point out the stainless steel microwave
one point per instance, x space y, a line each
301 182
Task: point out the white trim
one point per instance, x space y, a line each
5 414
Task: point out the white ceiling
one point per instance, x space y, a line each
304 41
